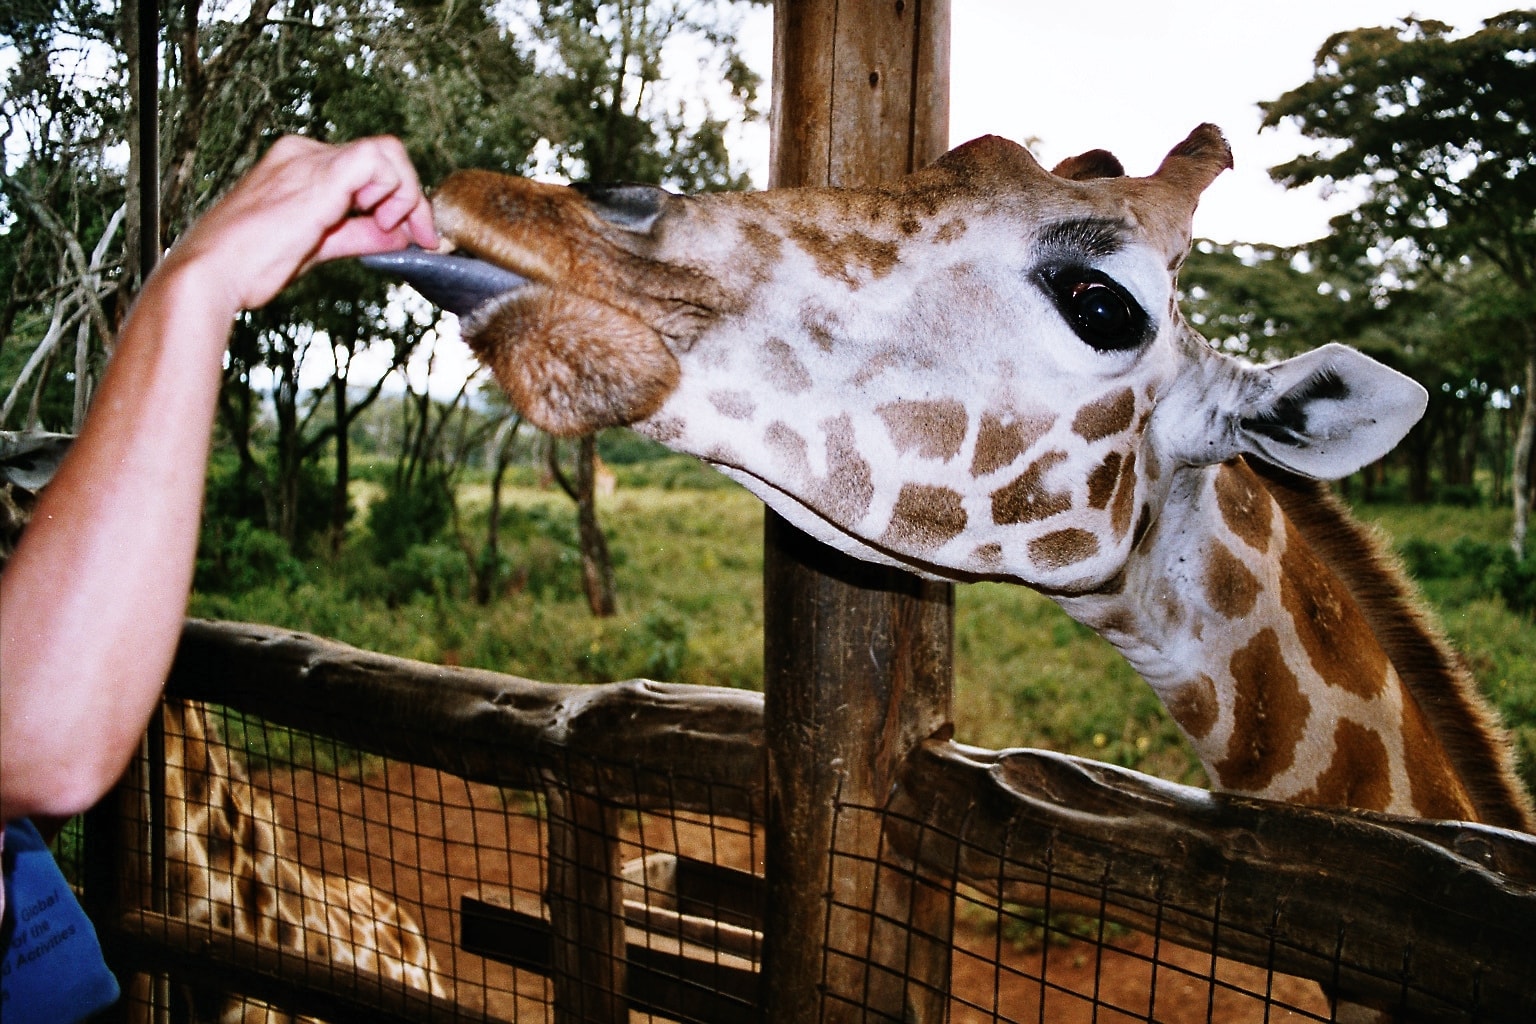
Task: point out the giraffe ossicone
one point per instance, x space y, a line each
979 371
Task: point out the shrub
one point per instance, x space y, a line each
1516 583
409 515
234 556
436 570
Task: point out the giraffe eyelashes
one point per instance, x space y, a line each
1098 310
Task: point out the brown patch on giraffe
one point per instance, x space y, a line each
820 325
791 449
935 429
1062 548
850 258
1108 416
1230 587
987 556
1102 480
1245 505
849 486
1000 441
1433 788
950 231
1026 499
723 455
734 405
1269 716
766 248
1338 640
1194 707
784 368
1125 497
1358 774
874 366
665 429
924 518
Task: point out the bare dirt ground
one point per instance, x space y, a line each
431 839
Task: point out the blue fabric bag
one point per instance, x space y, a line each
53 971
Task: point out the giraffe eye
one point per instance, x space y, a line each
1099 311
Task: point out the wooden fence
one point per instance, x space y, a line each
1434 920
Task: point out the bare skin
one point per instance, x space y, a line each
95 595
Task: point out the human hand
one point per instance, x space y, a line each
303 203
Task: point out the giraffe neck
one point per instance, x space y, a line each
1262 630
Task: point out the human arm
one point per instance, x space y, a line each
93 599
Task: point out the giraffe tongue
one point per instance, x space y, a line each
459 284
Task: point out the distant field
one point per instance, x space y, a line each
689 566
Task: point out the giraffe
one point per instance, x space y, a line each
228 867
980 371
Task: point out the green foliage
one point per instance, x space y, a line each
235 556
408 515
604 100
438 570
1437 126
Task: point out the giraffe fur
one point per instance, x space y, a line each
229 868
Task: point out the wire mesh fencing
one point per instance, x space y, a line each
322 833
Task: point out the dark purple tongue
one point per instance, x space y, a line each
459 284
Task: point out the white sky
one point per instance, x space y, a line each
1134 77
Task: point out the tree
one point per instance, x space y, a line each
604 108
1437 131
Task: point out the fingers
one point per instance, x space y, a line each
305 202
385 189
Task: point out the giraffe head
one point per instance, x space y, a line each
976 371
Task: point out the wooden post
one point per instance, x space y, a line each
858 664
586 910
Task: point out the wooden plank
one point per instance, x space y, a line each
200 955
586 910
677 980
488 726
857 658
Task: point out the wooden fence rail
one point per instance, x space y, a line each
1432 917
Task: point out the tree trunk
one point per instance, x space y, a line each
490 558
596 565
340 503
1525 441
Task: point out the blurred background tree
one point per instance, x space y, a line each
1435 131
578 88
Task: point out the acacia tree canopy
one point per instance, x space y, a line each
1437 128
1438 132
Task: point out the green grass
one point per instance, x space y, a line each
689 568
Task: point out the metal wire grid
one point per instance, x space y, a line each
1066 955
370 836
527 898
469 863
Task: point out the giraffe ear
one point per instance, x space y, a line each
1326 413
1096 163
